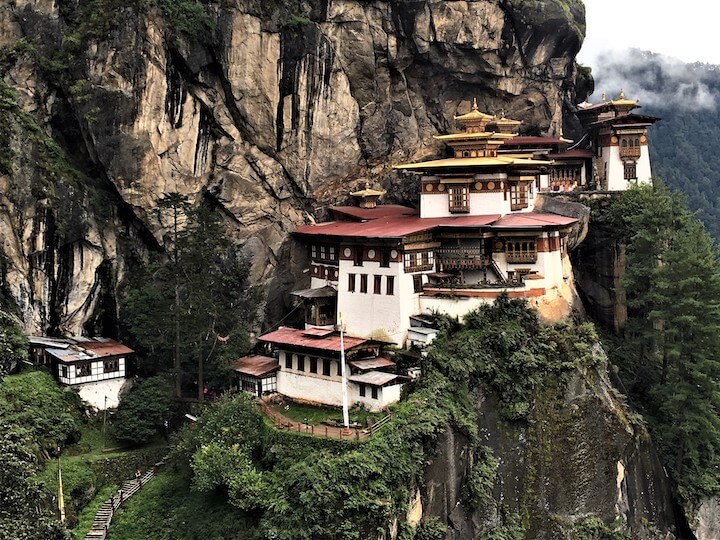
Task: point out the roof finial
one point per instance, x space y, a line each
622 94
474 106
367 184
603 96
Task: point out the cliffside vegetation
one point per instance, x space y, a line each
668 353
293 486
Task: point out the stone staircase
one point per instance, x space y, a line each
105 513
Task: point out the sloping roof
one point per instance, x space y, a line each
380 211
397 227
631 119
376 378
572 154
327 291
532 220
527 140
371 363
76 349
479 162
256 365
299 338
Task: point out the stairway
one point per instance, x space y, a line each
105 513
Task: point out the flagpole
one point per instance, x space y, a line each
346 417
61 499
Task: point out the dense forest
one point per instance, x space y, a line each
683 145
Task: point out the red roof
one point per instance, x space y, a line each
106 348
371 363
628 120
381 211
572 154
256 365
300 338
532 220
395 227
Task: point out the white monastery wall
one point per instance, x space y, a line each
97 372
96 392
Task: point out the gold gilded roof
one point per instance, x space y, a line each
474 115
472 162
474 136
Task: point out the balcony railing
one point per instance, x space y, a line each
630 152
462 258
521 256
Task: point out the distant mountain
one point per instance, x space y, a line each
685 145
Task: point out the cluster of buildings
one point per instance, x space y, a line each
378 269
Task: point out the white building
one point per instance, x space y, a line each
96 367
305 365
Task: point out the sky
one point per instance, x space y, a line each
686 29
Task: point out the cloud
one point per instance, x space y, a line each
656 80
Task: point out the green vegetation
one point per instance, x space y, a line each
668 353
314 416
13 343
167 509
144 412
299 487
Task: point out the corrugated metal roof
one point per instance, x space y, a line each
532 220
255 365
380 211
299 338
88 349
372 363
393 227
376 378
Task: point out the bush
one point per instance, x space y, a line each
144 411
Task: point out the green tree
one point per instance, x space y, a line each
144 411
194 309
13 343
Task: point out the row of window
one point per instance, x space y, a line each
384 255
363 391
377 284
312 363
419 261
85 370
327 253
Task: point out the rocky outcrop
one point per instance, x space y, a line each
269 118
579 463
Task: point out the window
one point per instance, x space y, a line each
518 196
333 253
363 283
83 370
351 282
323 252
362 390
419 261
384 258
374 391
288 360
313 252
390 286
110 366
358 256
418 283
313 365
326 367
64 372
339 369
458 198
630 171
301 362
520 251
377 285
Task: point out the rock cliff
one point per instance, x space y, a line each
269 109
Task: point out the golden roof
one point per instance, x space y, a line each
473 162
367 192
474 136
473 115
622 102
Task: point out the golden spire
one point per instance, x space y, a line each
474 105
622 94
603 96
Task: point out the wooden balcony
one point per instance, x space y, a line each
462 258
632 152
521 256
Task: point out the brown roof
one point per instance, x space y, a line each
372 363
534 141
572 154
107 348
532 220
301 338
380 211
256 365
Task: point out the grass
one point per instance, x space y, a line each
167 509
87 515
315 415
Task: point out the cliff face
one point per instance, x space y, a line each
579 461
271 119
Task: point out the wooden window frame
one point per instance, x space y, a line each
326 367
390 285
301 362
288 360
313 364
374 392
377 284
458 198
363 283
111 365
362 390
519 195
351 282
80 370
417 283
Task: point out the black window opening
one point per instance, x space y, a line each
326 367
358 256
363 283
377 285
390 285
288 360
301 362
385 258
351 282
418 283
374 392
313 365
362 390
